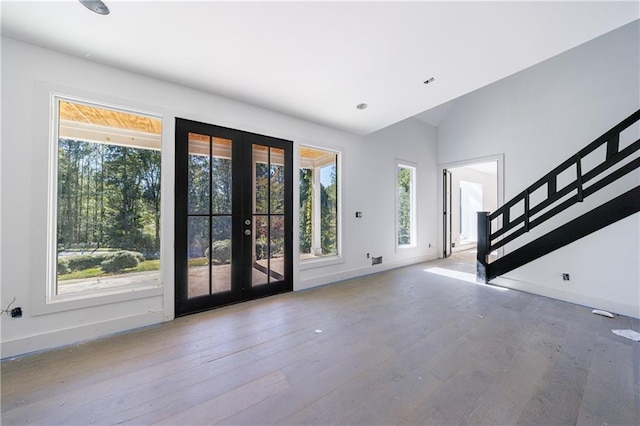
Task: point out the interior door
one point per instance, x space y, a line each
233 224
447 224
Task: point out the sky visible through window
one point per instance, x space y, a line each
325 175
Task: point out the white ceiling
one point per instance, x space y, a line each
318 60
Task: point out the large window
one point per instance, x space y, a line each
106 205
318 203
405 205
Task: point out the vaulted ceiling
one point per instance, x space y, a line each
318 60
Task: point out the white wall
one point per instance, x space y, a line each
369 170
29 73
539 118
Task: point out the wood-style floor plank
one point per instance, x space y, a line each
400 347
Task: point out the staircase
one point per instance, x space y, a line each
544 200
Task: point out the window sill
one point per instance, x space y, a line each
407 246
320 262
62 304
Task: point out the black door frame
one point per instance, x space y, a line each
242 203
447 225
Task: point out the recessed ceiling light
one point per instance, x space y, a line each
429 80
96 6
362 106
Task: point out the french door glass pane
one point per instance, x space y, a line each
199 169
221 176
209 236
276 248
260 260
197 255
261 179
276 193
220 254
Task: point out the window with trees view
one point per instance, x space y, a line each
107 198
318 203
405 204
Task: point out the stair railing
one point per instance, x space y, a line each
508 229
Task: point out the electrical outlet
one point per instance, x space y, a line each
368 255
565 276
16 312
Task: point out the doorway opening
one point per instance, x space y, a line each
468 188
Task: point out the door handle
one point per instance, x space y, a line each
247 232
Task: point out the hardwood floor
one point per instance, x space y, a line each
400 347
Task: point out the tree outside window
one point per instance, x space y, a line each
107 198
318 203
405 215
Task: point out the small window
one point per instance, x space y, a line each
318 203
405 205
105 202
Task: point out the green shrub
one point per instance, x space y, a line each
220 252
119 261
86 261
80 262
63 266
261 248
137 255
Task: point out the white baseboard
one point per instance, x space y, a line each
613 306
54 339
360 272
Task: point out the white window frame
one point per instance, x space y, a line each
328 259
413 215
52 301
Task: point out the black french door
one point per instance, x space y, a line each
233 216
